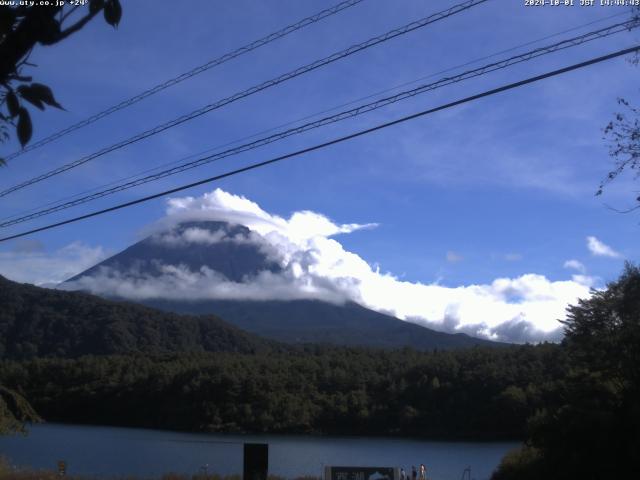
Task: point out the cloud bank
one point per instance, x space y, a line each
314 265
29 262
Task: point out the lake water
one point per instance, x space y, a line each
102 451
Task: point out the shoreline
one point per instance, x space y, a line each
110 452
322 435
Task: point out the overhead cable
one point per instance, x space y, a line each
250 91
499 65
307 117
191 73
335 141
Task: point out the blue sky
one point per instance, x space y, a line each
502 187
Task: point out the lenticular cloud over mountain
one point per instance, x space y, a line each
302 258
222 206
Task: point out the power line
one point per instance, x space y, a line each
191 73
255 89
335 141
538 52
307 117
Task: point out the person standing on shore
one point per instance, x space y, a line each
423 472
414 473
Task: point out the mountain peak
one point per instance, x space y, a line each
228 249
219 260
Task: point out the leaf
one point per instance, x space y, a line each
95 6
31 97
49 31
44 94
24 126
113 12
7 19
12 104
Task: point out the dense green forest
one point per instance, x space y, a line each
479 393
39 322
591 428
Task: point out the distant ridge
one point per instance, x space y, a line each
291 321
312 321
40 322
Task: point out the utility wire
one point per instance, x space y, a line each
255 89
307 117
524 57
335 141
191 73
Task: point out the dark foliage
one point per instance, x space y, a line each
253 384
475 393
524 464
15 411
593 430
22 28
623 136
41 322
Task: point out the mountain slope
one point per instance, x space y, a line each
235 254
234 260
312 321
42 322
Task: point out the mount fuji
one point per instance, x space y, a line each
213 267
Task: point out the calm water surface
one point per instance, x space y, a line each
102 451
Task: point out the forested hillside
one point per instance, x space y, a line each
42 322
573 401
475 393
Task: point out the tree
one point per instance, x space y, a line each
593 432
623 135
15 411
602 417
22 28
603 332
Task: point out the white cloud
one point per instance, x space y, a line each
177 282
222 206
31 263
453 257
192 235
575 265
316 266
599 249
